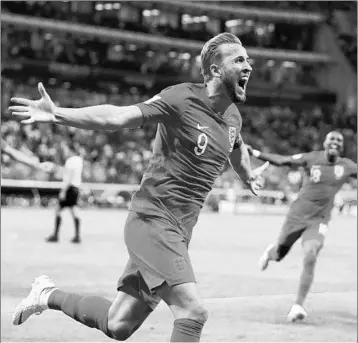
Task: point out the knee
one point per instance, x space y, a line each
199 313
119 330
310 256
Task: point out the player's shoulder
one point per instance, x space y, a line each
182 95
183 89
315 155
348 162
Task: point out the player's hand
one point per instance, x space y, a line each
48 167
35 111
4 145
249 148
255 182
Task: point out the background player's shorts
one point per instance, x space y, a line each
158 254
292 230
71 197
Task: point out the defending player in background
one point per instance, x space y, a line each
198 131
71 181
309 215
69 193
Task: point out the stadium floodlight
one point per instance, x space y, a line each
233 22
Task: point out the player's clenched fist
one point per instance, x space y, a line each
256 181
35 111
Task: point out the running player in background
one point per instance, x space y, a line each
68 196
309 215
198 131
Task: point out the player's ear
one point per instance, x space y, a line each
215 70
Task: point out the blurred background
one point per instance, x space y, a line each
304 84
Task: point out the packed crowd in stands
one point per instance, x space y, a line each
340 15
50 48
122 158
252 32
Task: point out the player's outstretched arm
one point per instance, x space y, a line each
101 117
240 162
277 160
20 156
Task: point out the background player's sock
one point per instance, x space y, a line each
57 225
186 330
77 227
91 311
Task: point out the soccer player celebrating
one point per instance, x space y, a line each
310 213
68 196
198 131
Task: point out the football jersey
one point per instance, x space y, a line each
322 181
192 144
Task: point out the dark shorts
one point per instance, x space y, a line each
292 230
158 254
71 197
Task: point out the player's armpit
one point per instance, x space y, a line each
130 117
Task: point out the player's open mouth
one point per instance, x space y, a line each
243 82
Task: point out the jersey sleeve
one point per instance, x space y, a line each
300 159
163 107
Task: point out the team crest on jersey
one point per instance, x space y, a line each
232 137
338 171
179 264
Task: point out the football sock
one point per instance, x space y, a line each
57 225
77 227
91 311
306 281
186 330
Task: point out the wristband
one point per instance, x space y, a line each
256 153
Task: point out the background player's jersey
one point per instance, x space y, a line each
191 147
72 172
321 183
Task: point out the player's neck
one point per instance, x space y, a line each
331 158
218 97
